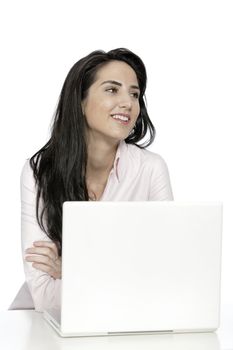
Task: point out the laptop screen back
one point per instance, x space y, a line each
140 266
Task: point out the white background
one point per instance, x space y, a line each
187 47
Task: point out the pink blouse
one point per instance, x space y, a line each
137 175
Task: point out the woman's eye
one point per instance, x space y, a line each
112 90
135 95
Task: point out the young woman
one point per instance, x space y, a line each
94 153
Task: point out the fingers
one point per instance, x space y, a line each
44 248
47 252
48 245
40 259
44 257
55 273
43 268
45 264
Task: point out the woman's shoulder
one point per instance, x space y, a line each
155 173
26 168
147 158
27 177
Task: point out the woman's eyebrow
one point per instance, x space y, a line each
118 84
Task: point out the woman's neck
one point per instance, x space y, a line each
100 159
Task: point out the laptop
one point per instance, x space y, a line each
139 268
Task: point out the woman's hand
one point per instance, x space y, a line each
44 257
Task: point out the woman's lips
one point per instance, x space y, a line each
122 118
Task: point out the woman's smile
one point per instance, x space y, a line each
121 118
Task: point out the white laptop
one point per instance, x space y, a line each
139 268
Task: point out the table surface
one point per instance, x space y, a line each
28 330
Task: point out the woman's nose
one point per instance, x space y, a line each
125 102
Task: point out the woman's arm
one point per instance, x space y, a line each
45 286
160 185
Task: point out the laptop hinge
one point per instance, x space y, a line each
140 332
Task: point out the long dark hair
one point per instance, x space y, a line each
59 167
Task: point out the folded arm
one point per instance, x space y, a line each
42 265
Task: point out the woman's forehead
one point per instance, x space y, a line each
116 70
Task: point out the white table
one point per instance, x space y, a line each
27 330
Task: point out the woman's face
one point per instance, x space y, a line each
112 106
